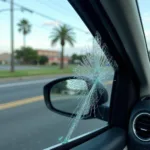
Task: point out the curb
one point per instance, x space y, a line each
31 77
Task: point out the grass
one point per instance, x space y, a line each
48 70
41 70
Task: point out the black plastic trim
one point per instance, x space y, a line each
91 114
133 141
105 142
47 89
73 143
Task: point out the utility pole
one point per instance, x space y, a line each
12 34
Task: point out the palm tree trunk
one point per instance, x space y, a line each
62 57
24 40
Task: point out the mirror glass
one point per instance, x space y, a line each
67 95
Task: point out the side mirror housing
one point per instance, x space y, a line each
66 95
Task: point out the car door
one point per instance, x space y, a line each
125 91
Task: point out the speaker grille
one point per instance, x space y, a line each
141 126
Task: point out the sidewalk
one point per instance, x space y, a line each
37 77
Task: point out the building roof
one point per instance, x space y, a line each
57 58
43 50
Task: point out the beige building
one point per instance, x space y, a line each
48 53
53 56
5 58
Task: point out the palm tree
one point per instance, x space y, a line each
25 28
63 34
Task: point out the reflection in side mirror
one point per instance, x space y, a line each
66 96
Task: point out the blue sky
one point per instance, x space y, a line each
62 11
145 14
42 27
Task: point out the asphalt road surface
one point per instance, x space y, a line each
26 123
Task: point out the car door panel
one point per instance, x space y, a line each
106 139
113 139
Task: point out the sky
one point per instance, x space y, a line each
144 6
60 11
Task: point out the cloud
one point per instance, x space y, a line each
52 23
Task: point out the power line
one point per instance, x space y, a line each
2 10
8 9
44 16
40 27
54 8
60 4
37 26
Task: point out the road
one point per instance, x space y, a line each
26 123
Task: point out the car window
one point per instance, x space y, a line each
37 27
145 15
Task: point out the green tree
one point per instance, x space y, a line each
26 55
73 58
25 28
43 60
59 87
62 34
80 57
76 57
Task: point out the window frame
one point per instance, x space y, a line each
125 78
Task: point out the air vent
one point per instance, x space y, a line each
141 126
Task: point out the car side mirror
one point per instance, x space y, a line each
65 96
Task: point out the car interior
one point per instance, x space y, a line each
120 26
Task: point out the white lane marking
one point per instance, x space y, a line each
25 83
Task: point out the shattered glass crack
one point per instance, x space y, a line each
92 66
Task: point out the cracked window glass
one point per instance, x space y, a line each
88 97
46 40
